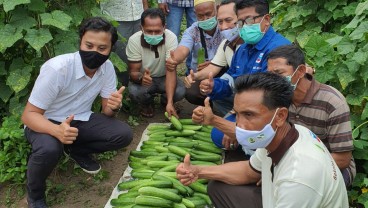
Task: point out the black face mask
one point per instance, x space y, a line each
92 59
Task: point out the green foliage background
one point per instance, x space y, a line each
334 35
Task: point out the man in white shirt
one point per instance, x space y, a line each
58 114
295 167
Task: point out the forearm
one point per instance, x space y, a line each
225 126
203 74
342 159
38 123
181 53
170 85
233 173
145 4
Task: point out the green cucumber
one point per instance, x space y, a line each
198 187
192 127
203 196
160 164
161 193
174 121
130 184
153 201
178 150
122 201
153 127
183 133
143 154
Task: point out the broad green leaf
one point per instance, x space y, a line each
326 75
38 38
8 36
96 11
364 74
15 106
37 6
338 14
308 9
293 13
5 91
345 77
345 46
361 8
359 32
324 16
331 5
360 57
354 23
118 63
360 144
296 23
352 66
21 20
64 47
303 38
350 9
19 75
365 113
10 4
363 199
2 68
74 12
57 19
334 41
360 154
65 42
355 135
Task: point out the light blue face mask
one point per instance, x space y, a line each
153 39
230 34
251 34
208 24
288 78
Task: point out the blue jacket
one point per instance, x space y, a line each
247 59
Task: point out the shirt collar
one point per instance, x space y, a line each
266 39
313 89
284 146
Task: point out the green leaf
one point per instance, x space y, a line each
360 57
8 36
361 8
360 154
359 32
303 38
324 16
350 9
21 20
326 75
352 66
38 38
363 199
365 113
334 41
355 135
338 14
331 5
65 42
345 46
296 23
57 19
37 6
2 68
354 23
10 4
364 74
5 91
19 75
118 63
345 77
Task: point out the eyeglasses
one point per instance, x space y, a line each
248 21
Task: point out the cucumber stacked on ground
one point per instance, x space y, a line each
153 167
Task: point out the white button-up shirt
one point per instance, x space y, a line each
123 10
63 88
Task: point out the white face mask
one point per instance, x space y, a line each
230 34
256 139
288 78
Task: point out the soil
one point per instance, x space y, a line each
70 187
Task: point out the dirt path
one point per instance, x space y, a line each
72 188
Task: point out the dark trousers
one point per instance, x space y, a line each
101 133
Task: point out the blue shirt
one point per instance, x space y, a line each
192 40
247 59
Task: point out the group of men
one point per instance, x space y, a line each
274 120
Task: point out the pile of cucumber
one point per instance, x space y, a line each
153 167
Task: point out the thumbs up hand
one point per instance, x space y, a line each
206 85
171 62
190 79
146 79
203 114
67 134
186 172
114 101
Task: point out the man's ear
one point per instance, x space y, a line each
281 116
267 17
301 71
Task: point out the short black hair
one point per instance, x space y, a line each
262 6
292 53
277 91
98 24
226 2
153 13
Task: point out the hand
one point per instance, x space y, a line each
171 62
114 101
66 133
203 65
187 173
206 85
146 79
164 8
190 79
203 115
229 143
170 109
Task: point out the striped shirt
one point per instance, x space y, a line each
179 3
326 113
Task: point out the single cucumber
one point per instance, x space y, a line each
169 168
176 123
161 149
201 55
168 174
188 203
157 158
202 138
183 144
178 150
212 158
157 131
187 121
199 162
158 134
122 201
180 133
152 127
160 164
143 154
179 205
208 148
149 142
157 192
197 201
130 184
203 196
176 184
204 134
141 174
132 194
198 187
192 127
207 129
153 201
154 183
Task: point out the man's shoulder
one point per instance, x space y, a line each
62 60
329 94
136 37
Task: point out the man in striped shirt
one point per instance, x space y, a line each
319 107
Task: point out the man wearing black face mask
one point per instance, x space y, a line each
58 114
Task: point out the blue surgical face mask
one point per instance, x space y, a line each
153 39
230 34
251 34
208 24
256 139
288 78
